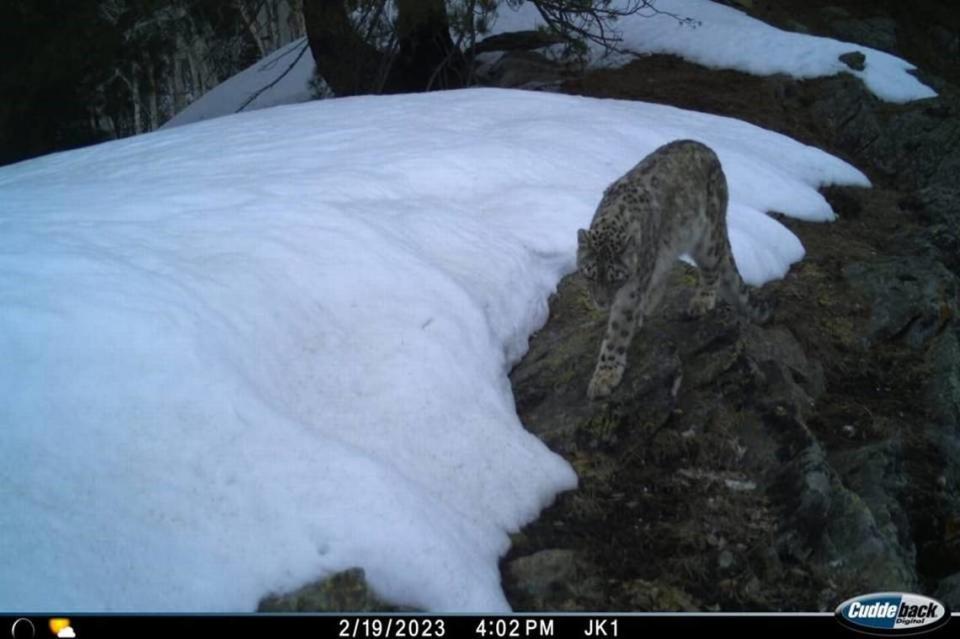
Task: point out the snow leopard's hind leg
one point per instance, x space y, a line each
715 262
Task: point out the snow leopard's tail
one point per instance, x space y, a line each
732 287
757 308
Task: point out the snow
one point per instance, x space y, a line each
714 35
242 354
290 66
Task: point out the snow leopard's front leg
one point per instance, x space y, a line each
626 317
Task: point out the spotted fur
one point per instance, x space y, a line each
673 202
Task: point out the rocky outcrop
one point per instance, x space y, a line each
524 70
913 298
703 468
345 591
539 580
780 467
877 32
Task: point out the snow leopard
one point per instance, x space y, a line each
674 202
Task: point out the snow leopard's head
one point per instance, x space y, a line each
603 258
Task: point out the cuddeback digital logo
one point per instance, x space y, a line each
892 613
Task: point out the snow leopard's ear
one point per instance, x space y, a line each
583 238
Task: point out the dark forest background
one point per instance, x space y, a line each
76 73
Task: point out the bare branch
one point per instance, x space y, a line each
592 21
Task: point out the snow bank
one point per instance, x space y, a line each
722 37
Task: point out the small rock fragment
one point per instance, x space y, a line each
854 59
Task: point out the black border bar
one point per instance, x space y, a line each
425 626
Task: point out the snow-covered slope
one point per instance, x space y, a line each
706 33
241 354
282 77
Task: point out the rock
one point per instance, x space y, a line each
920 145
911 297
843 201
930 459
916 145
948 591
846 111
523 69
946 40
792 379
878 32
941 201
551 382
875 474
553 579
943 391
834 12
690 388
826 525
854 59
651 596
345 591
938 208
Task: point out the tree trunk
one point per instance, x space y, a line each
427 57
344 60
133 83
193 91
250 22
293 20
270 10
153 105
